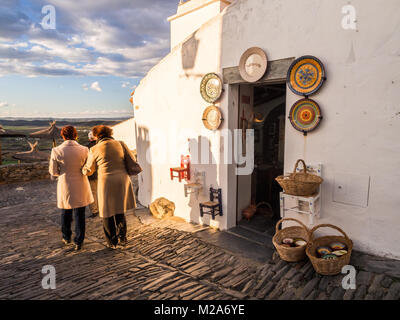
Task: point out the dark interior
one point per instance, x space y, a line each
269 133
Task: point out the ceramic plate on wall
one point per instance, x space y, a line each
212 118
253 64
305 115
211 87
306 75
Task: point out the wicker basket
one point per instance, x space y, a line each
300 183
292 254
328 267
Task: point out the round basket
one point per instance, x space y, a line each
290 254
300 183
328 267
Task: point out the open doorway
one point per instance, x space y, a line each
268 108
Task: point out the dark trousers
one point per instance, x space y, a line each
67 216
114 228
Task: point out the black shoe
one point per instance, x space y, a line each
66 242
123 242
111 246
78 247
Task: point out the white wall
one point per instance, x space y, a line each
125 131
191 16
169 111
360 130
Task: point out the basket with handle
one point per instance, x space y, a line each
291 254
300 183
328 267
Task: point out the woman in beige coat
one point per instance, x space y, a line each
73 188
114 189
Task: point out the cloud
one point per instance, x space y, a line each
4 104
121 38
85 87
127 84
96 86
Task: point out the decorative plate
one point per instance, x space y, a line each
300 243
212 118
324 250
329 257
253 64
306 75
211 87
339 253
287 241
305 115
337 246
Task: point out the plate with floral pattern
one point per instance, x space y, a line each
306 75
211 87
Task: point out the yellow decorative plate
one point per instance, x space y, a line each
306 75
212 118
211 87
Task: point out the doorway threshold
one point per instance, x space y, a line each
249 234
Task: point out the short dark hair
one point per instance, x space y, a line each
69 133
102 131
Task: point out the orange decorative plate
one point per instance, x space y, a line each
212 118
306 75
305 115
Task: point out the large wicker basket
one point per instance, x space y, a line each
328 267
300 183
292 254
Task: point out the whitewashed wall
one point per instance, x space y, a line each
169 112
191 16
360 101
125 131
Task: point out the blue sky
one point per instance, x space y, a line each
88 65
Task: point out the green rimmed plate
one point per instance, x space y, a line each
211 87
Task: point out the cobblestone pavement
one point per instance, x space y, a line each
160 262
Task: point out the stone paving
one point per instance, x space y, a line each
163 260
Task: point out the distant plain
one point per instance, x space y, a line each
9 146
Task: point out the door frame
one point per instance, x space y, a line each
276 74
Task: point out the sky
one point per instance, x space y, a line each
87 63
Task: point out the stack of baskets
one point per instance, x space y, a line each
307 184
300 183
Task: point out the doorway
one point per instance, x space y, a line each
268 107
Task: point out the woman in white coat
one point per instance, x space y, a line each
73 188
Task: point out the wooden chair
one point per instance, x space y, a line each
183 171
212 207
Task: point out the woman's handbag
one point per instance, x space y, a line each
132 167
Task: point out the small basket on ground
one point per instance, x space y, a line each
291 254
300 183
328 267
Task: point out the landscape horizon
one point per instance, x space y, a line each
10 146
